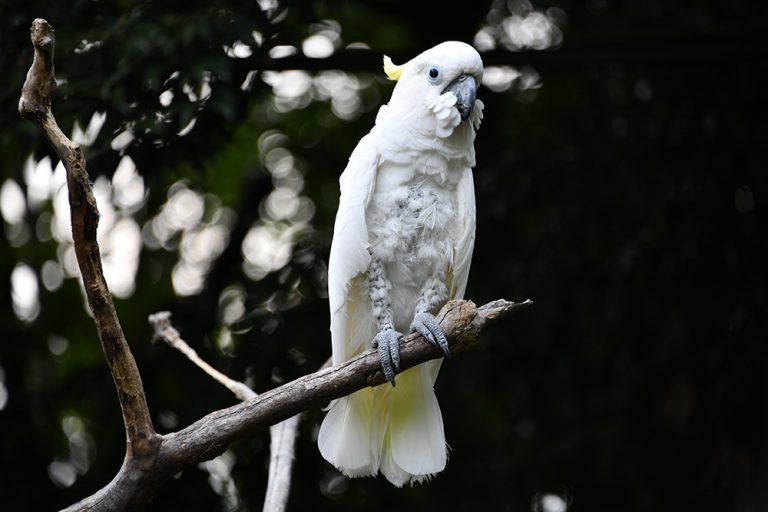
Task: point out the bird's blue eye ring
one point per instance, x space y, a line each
434 74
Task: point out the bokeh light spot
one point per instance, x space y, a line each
62 473
13 207
549 502
24 293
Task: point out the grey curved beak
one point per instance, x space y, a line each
465 89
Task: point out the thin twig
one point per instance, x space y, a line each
161 323
281 456
282 435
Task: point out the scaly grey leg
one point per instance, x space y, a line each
424 322
387 338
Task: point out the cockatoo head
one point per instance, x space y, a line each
441 81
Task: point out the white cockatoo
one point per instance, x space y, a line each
402 246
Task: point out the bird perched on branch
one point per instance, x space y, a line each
402 246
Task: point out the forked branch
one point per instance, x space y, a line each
152 459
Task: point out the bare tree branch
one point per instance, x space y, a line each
282 448
35 105
461 321
282 435
151 459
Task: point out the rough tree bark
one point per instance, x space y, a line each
152 459
35 105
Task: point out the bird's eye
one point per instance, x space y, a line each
433 74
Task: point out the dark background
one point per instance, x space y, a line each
620 185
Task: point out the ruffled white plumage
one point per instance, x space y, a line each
397 431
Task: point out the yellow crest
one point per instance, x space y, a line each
393 71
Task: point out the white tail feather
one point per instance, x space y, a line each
416 436
346 437
398 431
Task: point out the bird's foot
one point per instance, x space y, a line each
426 325
389 352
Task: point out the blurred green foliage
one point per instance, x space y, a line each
620 182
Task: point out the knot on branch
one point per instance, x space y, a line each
37 92
462 320
42 34
161 324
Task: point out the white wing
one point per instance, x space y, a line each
350 436
349 253
465 237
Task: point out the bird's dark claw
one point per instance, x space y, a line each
426 325
389 352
